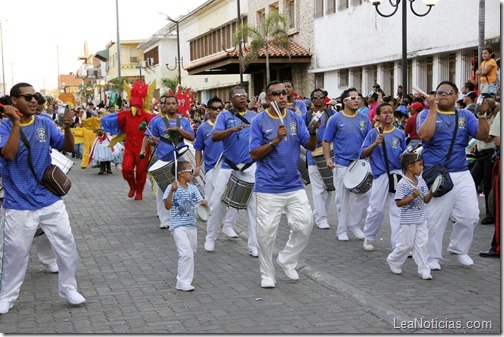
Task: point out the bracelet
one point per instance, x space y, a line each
270 143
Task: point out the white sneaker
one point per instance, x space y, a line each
267 283
434 265
74 298
209 246
291 273
184 287
357 232
465 259
51 268
393 269
323 226
5 306
164 225
426 276
343 237
253 252
368 245
229 232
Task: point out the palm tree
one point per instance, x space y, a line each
170 83
273 29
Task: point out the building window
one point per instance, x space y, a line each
357 79
261 15
290 9
331 6
342 4
425 73
319 80
152 54
388 77
447 66
356 3
343 77
319 8
274 7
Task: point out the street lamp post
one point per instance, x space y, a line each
178 60
404 7
3 67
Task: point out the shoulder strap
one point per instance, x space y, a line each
453 138
30 164
237 114
385 156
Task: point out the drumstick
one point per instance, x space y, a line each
277 110
144 126
420 91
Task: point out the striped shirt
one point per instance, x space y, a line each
413 213
184 201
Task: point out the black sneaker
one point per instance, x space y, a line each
488 220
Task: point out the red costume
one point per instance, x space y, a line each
129 122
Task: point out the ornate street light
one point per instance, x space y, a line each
178 60
395 5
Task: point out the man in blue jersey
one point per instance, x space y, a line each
320 194
373 147
233 129
435 127
27 203
168 129
274 143
296 105
210 152
346 130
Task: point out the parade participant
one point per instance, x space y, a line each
181 198
321 196
166 131
410 128
134 168
412 195
27 203
487 71
233 129
210 151
436 128
275 145
293 103
383 161
346 130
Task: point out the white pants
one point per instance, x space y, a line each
232 213
19 228
186 239
411 236
44 250
218 208
349 215
162 212
321 197
378 198
270 208
459 205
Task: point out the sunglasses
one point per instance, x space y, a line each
191 171
215 108
239 95
278 93
447 92
353 98
317 97
28 97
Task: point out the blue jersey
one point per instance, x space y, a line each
158 128
299 105
395 142
347 134
235 146
22 190
211 150
277 171
183 203
320 131
434 150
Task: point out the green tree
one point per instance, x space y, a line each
273 30
170 83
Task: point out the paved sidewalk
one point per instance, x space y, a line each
128 267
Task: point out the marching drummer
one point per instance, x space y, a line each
346 131
321 196
210 151
276 136
171 129
233 129
383 146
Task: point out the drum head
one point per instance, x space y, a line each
243 177
437 182
202 212
157 165
356 173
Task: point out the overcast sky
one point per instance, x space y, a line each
34 30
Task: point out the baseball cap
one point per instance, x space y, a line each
417 106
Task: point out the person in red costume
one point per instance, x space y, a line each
134 168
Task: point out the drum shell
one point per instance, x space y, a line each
61 161
360 170
237 192
302 167
325 172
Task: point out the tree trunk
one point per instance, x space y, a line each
267 65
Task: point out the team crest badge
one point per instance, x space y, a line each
41 133
395 141
362 125
293 127
462 122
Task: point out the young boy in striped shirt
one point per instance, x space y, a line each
412 195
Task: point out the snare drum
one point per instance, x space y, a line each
325 172
358 178
202 212
302 167
238 190
61 161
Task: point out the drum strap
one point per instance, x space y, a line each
240 117
234 167
174 137
328 112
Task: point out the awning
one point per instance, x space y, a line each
228 62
